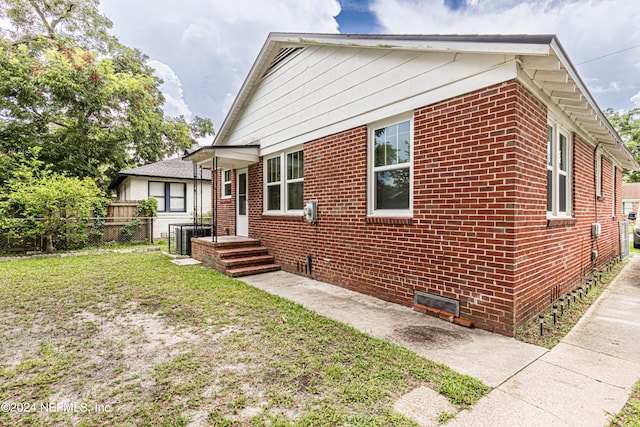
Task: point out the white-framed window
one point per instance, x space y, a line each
295 181
626 208
226 183
599 158
171 196
390 181
284 182
559 172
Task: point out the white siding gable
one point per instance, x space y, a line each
322 90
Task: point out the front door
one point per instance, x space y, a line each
242 204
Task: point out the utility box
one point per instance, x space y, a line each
311 211
596 229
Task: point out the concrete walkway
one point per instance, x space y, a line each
581 382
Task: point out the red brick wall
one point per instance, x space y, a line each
553 257
479 231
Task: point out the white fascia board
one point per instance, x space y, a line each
406 43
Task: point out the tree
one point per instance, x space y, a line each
44 203
67 22
92 112
628 126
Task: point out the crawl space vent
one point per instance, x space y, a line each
449 305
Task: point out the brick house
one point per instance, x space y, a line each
457 170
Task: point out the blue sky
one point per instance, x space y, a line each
203 49
356 18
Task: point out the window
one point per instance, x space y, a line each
273 184
559 176
598 175
171 196
390 180
627 207
284 192
295 180
226 183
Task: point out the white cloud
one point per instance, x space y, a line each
172 90
211 44
611 87
636 99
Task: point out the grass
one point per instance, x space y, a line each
630 414
138 340
566 318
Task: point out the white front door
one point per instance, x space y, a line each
242 203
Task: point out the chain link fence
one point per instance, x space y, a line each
25 235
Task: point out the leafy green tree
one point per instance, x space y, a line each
201 127
40 202
68 22
628 126
93 106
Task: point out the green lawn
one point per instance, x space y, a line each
132 339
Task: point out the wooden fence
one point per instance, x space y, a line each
122 213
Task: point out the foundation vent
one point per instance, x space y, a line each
449 305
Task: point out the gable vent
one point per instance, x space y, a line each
284 54
450 305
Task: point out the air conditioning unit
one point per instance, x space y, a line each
183 240
183 237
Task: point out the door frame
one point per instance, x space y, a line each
242 221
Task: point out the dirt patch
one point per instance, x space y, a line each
137 341
118 351
430 335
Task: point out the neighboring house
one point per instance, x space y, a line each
172 183
630 198
464 170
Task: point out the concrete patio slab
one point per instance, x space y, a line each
423 405
597 366
186 261
490 357
571 397
513 412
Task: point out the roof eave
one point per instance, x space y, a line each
537 44
534 45
615 142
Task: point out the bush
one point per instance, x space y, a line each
48 204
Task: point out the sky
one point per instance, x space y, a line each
203 49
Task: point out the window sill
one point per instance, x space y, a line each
283 217
389 220
561 222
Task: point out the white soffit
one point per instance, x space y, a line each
228 157
554 75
